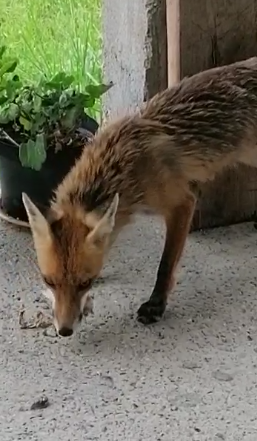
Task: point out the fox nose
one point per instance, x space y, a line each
65 332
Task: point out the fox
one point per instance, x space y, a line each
150 161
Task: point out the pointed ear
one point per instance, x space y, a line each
105 225
38 223
42 235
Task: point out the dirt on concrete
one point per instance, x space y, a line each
191 377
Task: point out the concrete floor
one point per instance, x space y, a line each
191 377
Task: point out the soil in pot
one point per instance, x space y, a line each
39 185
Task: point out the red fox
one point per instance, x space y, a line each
153 159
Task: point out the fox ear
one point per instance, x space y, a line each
38 223
105 225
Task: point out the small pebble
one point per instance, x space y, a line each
219 437
190 365
222 376
42 403
107 380
50 332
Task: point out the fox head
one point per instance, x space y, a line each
70 245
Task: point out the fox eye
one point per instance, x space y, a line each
49 282
85 285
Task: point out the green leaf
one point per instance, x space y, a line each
3 83
26 106
13 111
82 100
40 149
60 81
4 117
38 123
8 66
2 51
11 88
89 102
3 99
37 103
8 113
97 91
63 100
32 154
69 118
25 123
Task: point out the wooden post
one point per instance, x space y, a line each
202 34
173 40
134 53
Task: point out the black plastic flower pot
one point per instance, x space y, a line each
39 185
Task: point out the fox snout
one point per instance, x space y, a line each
65 332
66 315
69 311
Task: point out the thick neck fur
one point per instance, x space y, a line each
113 163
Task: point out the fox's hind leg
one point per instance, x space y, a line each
178 223
249 157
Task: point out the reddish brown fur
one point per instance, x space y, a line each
184 135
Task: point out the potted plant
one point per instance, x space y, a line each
43 128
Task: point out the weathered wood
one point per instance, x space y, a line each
173 40
134 53
156 63
214 33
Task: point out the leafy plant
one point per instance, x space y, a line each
44 114
64 35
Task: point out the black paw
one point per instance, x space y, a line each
150 312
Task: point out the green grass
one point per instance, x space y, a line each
51 36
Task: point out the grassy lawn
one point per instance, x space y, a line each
50 36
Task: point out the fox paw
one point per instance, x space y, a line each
150 312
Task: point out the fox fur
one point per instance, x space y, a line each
150 160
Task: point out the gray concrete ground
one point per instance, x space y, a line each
190 377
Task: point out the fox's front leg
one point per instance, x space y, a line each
178 225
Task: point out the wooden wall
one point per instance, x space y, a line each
202 34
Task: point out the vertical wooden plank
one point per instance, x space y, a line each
173 40
156 64
214 33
